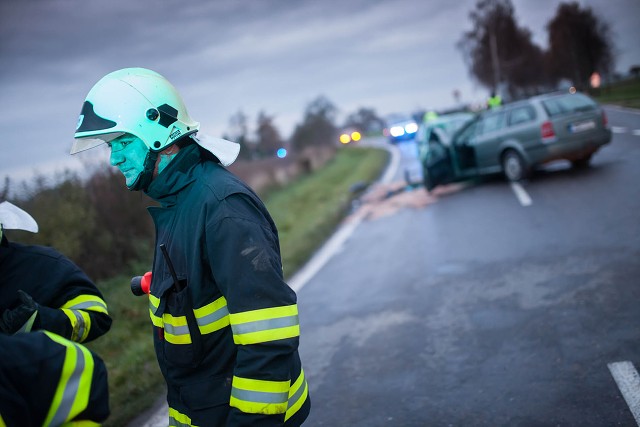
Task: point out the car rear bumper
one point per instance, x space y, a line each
570 150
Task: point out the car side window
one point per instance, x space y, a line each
492 123
467 133
521 115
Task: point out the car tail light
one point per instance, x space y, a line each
605 120
548 134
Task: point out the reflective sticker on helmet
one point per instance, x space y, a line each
175 132
168 115
91 122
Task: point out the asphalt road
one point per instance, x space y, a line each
481 310
486 306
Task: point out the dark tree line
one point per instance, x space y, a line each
318 128
501 55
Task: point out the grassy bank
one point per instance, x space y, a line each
305 212
625 93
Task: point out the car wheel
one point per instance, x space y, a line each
581 163
513 166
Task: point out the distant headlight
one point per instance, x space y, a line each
355 136
345 138
411 128
396 131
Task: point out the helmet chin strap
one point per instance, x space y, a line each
146 176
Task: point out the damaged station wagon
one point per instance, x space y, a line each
516 138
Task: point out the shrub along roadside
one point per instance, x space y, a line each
305 212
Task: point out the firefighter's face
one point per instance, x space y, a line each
128 154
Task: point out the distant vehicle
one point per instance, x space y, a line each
516 138
400 128
349 135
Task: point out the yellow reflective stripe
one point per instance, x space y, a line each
267 324
259 396
298 394
82 423
213 316
72 394
80 324
176 330
154 302
2 423
176 419
87 302
264 314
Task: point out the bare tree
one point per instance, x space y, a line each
318 127
268 138
579 44
499 52
365 119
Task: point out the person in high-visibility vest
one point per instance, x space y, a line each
47 380
42 289
226 328
494 100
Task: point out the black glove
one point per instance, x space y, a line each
24 315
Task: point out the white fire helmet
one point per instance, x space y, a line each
136 101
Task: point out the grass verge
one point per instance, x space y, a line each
625 93
306 212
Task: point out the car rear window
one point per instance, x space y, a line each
570 103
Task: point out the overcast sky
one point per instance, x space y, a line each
251 55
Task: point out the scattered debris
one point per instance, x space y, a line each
386 199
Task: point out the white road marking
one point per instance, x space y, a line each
636 132
628 382
618 129
521 194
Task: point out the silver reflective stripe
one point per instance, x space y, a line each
264 325
175 423
176 330
293 399
213 317
70 390
259 396
79 325
87 305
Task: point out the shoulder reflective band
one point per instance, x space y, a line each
176 419
74 386
297 395
259 396
267 324
87 302
80 324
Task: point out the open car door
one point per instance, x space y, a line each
437 164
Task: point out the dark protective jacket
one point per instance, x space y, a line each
46 380
71 304
227 336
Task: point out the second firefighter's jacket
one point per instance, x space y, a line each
226 336
72 305
47 380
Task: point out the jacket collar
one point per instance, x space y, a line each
177 175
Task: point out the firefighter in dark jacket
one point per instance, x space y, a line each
225 323
47 380
42 289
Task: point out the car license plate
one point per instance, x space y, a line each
582 126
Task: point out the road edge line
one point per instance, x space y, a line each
628 381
